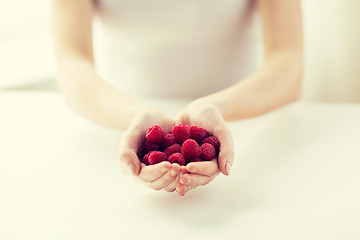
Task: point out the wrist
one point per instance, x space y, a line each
148 113
208 103
145 111
72 62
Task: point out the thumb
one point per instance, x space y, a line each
182 117
129 145
226 154
129 162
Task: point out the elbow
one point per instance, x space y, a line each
287 67
70 95
70 101
295 93
73 86
295 88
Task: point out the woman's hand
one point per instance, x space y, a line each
197 174
207 116
163 175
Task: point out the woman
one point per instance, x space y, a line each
197 48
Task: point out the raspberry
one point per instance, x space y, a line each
150 146
146 158
169 140
207 151
198 133
141 151
198 159
190 149
177 158
213 141
175 148
181 133
157 157
182 145
155 134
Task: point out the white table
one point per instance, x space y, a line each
296 176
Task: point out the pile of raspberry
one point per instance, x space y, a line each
182 144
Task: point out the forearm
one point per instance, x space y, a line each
82 88
277 83
93 98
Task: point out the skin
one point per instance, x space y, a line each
160 176
275 84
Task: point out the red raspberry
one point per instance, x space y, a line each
177 158
181 133
175 148
169 140
141 151
146 158
198 133
150 146
190 149
155 134
213 141
198 159
157 157
207 151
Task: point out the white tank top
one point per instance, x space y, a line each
186 48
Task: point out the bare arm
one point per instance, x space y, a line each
82 88
278 82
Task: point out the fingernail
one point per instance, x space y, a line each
188 181
194 170
132 168
173 173
228 167
164 170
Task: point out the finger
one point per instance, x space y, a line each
166 179
177 183
172 186
167 124
206 168
183 189
189 188
226 154
195 180
182 117
129 162
183 169
153 172
130 143
180 189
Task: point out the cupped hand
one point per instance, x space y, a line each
207 116
197 174
163 175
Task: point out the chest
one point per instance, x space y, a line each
176 15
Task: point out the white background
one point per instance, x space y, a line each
60 176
